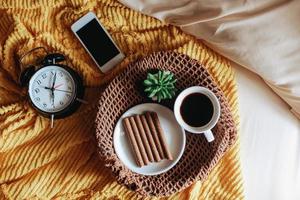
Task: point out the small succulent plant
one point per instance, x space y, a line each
160 86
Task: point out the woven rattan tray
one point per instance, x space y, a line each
199 156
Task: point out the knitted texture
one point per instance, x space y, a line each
62 163
199 156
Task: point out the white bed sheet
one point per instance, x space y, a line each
270 141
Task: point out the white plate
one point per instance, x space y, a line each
175 138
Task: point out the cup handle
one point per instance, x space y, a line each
209 136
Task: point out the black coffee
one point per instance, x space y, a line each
196 109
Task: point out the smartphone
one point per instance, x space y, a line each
97 42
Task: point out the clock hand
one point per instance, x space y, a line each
52 89
45 87
52 95
57 86
54 80
62 90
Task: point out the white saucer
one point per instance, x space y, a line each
175 138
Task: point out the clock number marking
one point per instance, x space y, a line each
45 105
39 82
69 96
61 74
37 99
61 103
44 76
37 90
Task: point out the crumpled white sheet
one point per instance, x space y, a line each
270 141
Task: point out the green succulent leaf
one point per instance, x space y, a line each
152 78
147 82
172 81
163 94
171 87
165 75
148 89
169 95
158 98
152 94
160 76
167 79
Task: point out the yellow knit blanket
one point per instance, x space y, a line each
37 162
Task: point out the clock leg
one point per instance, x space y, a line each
52 121
82 101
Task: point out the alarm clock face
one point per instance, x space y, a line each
52 89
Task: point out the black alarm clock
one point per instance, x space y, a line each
54 90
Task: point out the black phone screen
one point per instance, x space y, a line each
97 42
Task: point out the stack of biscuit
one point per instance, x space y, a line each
146 138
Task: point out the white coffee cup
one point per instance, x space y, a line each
206 129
